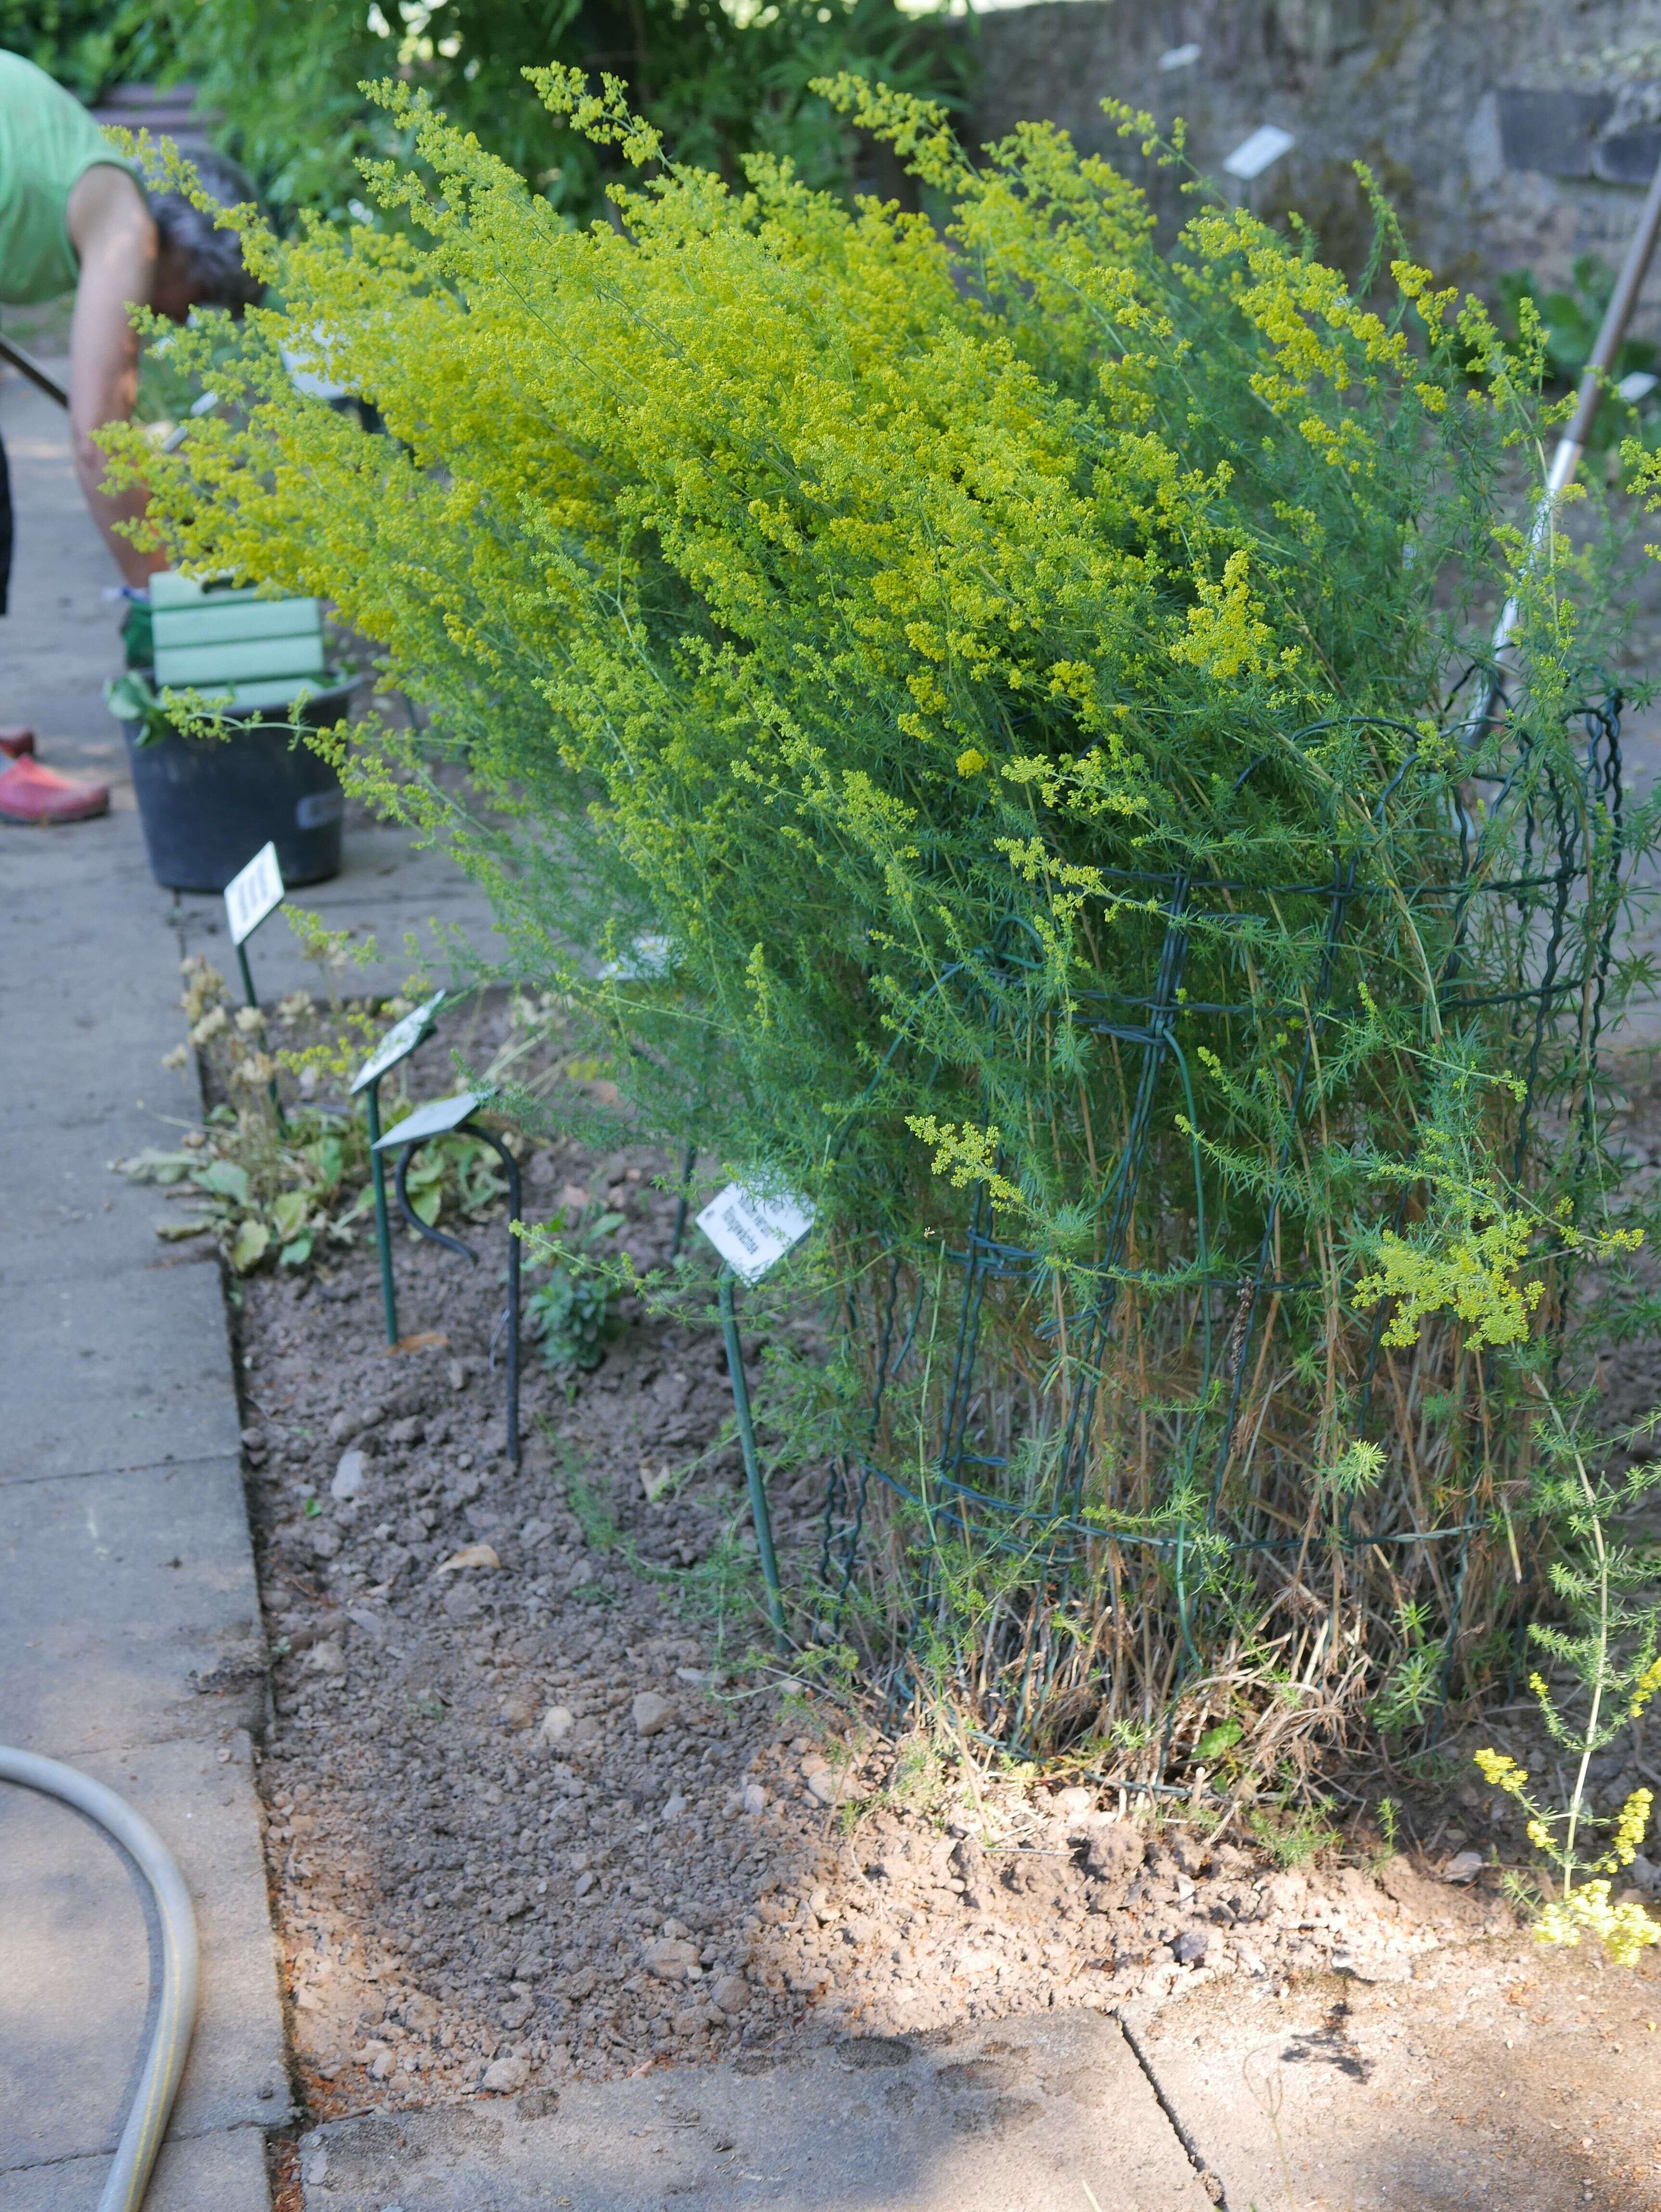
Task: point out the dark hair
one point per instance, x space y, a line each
210 257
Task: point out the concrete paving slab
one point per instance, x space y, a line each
83 1220
1502 2075
132 1611
86 998
76 1978
114 1370
1015 2118
224 2172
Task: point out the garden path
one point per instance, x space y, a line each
1499 2076
129 1637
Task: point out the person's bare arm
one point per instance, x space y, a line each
116 241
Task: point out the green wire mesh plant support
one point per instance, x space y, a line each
1137 1494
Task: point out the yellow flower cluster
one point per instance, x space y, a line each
1645 1687
966 1155
1631 1828
1626 1931
1474 1276
1500 1772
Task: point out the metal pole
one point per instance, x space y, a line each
382 1227
758 1512
1566 461
686 1168
514 1214
254 1000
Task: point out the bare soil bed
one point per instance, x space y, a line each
546 1812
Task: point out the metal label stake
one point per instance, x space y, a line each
250 896
751 1234
687 1167
445 1117
394 1047
759 1511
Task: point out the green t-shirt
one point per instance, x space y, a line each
47 144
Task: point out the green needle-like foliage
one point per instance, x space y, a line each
1001 679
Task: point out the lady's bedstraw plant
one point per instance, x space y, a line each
1606 1590
1003 668
1583 1907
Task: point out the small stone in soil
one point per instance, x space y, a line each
347 1477
653 1713
670 1959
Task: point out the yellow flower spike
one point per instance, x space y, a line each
1630 1828
971 763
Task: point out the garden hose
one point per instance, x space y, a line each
147 2117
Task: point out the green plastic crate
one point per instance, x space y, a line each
260 651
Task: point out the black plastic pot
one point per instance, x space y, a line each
209 803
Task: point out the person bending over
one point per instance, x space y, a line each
75 216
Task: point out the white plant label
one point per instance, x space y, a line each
1178 58
255 893
648 960
397 1043
1638 385
1254 154
307 365
750 1233
435 1118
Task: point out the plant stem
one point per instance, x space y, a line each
1588 1741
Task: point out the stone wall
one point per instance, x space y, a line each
1508 133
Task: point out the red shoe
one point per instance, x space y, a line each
29 793
16 742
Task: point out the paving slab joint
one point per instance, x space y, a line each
1210 2180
